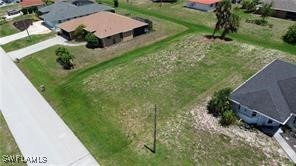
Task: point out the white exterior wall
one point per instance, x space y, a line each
199 6
292 122
252 117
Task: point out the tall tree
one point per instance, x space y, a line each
231 25
226 20
223 12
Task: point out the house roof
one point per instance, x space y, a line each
207 2
272 91
70 9
284 5
30 3
103 24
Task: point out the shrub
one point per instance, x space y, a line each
228 118
249 5
257 22
115 3
92 40
149 22
290 36
266 11
79 33
220 102
65 58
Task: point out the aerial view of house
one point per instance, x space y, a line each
269 97
109 28
66 10
147 82
283 8
31 3
203 5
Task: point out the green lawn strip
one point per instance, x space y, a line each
25 42
7 29
8 146
258 41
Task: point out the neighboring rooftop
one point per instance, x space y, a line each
31 3
103 24
207 2
271 92
284 5
65 10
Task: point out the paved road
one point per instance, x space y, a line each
58 40
37 129
285 145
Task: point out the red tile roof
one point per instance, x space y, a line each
207 2
30 3
103 24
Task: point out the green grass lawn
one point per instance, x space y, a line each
109 106
4 9
8 145
24 42
205 21
108 99
7 29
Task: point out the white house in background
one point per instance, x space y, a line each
283 8
269 97
203 5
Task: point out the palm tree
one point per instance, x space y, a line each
231 25
226 21
223 12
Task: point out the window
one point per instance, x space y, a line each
294 121
254 113
269 121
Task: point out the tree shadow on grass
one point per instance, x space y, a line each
227 39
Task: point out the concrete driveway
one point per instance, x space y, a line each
58 40
35 126
36 28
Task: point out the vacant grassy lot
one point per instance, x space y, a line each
8 145
203 21
108 99
109 106
24 42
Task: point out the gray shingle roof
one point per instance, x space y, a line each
66 10
271 92
285 5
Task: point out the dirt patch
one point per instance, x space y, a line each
23 24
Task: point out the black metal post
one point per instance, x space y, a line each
154 140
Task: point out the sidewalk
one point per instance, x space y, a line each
285 146
35 126
58 40
35 29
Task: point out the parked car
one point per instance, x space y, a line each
13 12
